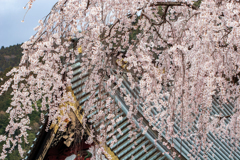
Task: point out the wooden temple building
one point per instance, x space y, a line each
61 145
56 145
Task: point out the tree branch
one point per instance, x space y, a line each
111 29
173 4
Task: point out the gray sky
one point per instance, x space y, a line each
12 30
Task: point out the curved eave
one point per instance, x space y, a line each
125 149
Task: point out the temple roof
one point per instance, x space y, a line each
124 148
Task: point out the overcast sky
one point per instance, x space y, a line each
12 30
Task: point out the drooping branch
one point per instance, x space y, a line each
193 86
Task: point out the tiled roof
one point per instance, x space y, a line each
124 149
221 150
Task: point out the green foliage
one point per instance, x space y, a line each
14 155
160 10
10 56
197 3
5 101
134 32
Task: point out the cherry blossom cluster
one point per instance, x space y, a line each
175 56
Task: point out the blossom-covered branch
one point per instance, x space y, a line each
172 57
